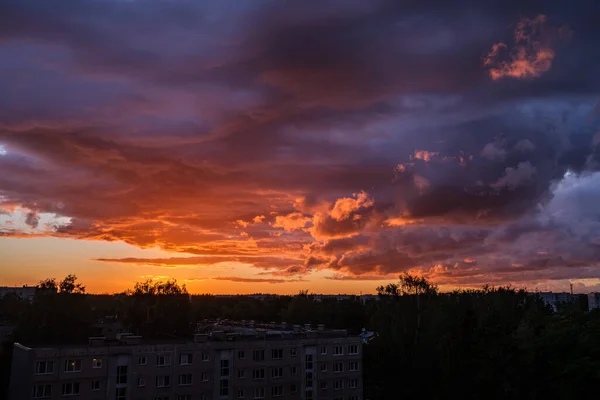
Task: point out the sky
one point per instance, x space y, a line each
275 146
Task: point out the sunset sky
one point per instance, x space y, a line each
271 146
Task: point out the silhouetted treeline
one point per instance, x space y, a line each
493 343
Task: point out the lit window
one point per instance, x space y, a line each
97 363
72 365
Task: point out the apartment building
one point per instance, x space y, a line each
228 362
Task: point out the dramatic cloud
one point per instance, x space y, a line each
254 280
360 139
532 54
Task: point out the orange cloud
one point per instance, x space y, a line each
345 206
291 222
424 155
531 55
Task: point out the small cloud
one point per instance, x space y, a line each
341 277
241 223
493 151
346 206
258 219
517 176
531 55
291 222
3 151
424 155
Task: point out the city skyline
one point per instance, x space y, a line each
262 147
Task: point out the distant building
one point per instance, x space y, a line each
593 300
554 299
230 361
24 292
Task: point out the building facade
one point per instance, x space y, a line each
254 364
24 292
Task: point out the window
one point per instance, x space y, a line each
338 398
353 397
161 398
163 381
277 391
185 359
293 370
338 351
293 389
259 393
353 383
121 374
309 361
258 373
42 391
224 367
277 354
205 356
121 394
163 360
323 385
241 354
185 379
184 397
141 382
97 363
353 366
241 394
70 388
309 379
224 387
241 374
353 349
95 385
323 367
204 377
323 350
142 360
44 367
277 372
338 367
309 395
293 352
338 384
72 365
258 355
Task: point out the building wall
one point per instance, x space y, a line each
279 377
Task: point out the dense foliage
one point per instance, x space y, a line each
491 343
